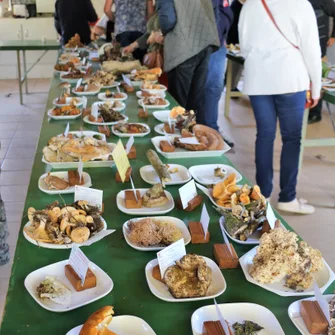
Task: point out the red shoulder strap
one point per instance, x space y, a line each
275 23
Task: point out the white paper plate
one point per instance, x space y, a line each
87 133
162 89
68 102
159 129
204 174
121 204
73 165
323 278
177 222
80 94
71 81
68 55
61 72
161 291
104 123
97 237
167 104
182 153
102 96
64 117
123 325
237 312
138 82
149 175
118 109
78 299
63 175
114 84
162 116
117 133
294 314
329 89
160 94
326 81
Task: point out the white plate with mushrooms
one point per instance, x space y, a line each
60 185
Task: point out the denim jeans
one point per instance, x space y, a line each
289 109
213 89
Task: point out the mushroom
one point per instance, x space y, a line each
31 212
54 214
66 211
80 234
78 219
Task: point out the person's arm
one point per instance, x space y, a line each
57 23
150 8
91 13
108 9
328 6
309 45
167 15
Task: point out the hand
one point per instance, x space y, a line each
130 48
331 41
155 38
315 102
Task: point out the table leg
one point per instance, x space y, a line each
229 79
303 137
25 75
19 74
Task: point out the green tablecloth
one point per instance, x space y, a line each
29 45
131 294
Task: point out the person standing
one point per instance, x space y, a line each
73 17
216 68
190 34
130 20
324 9
282 57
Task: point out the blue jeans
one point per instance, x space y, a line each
213 89
289 109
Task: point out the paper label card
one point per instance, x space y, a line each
204 220
84 102
225 238
170 124
84 60
118 89
80 168
129 144
134 189
187 193
126 80
67 129
94 111
79 83
270 216
94 54
221 319
121 160
167 137
189 140
79 262
91 195
322 302
169 255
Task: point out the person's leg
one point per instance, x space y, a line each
290 109
315 113
214 87
266 122
180 79
196 94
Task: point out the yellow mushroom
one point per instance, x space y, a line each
31 212
80 234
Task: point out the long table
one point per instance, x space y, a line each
27 45
131 294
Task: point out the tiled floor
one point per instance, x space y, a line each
19 129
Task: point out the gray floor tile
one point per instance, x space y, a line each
21 152
15 177
14 193
14 211
17 164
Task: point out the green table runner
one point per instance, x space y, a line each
131 294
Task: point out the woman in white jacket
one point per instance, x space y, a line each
280 64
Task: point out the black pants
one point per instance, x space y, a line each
129 37
187 82
316 111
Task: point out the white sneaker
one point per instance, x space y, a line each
298 206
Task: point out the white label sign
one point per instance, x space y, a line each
270 216
225 238
67 129
84 102
129 144
322 302
91 195
222 320
167 137
84 60
94 111
126 80
189 140
94 54
79 83
80 169
187 193
204 220
134 189
79 262
169 255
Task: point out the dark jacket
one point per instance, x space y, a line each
236 8
323 10
168 18
73 17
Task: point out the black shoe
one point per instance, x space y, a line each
314 119
231 144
